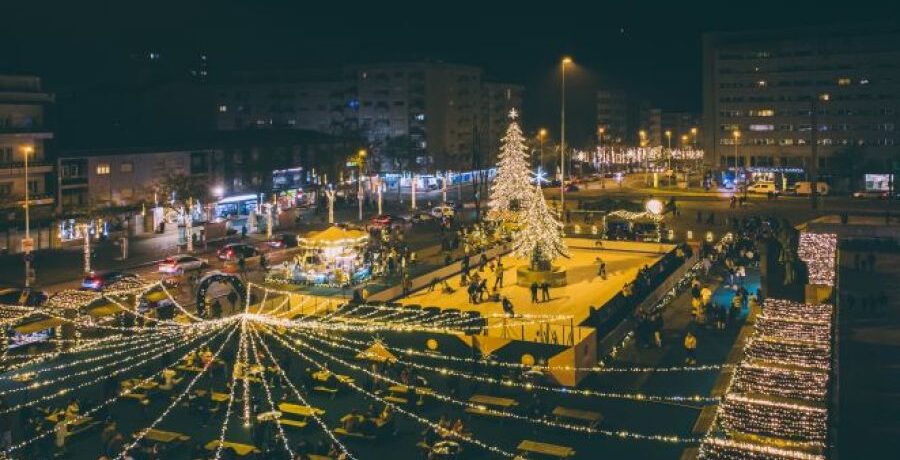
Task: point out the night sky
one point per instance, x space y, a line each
651 47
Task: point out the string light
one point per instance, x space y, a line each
781 381
727 449
256 359
527 386
818 250
229 405
141 434
302 400
624 434
118 396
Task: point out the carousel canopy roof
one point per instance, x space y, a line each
335 236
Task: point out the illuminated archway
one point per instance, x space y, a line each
209 280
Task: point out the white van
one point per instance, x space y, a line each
805 188
763 188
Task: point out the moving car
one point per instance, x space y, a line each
420 217
443 211
100 281
387 221
234 251
805 188
871 194
182 263
23 296
762 188
284 240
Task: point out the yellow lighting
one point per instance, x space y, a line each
566 60
654 207
736 134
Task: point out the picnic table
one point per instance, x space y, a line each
164 436
486 400
323 376
240 449
139 384
78 420
189 368
271 415
24 377
543 448
218 397
296 409
592 418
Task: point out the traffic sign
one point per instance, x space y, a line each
27 245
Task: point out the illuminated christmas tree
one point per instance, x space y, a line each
512 185
540 235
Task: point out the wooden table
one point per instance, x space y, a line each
404 389
592 418
266 416
165 436
240 449
323 376
22 378
543 448
493 401
296 409
77 421
218 397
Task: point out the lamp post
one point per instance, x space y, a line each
562 140
26 151
600 131
360 194
189 225
814 144
642 135
669 154
541 135
736 137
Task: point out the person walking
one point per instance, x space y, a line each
498 281
507 307
690 347
534 292
545 291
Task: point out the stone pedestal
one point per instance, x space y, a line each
556 276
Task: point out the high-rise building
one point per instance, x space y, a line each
23 131
419 114
775 87
680 124
497 100
623 116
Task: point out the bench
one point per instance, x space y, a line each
324 389
238 448
82 428
543 448
164 436
591 418
396 400
297 409
343 432
293 423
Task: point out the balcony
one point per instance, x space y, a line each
17 168
34 131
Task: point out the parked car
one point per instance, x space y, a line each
387 221
763 188
805 188
421 217
23 296
234 251
182 263
284 240
871 194
100 281
443 211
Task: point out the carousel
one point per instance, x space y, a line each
332 257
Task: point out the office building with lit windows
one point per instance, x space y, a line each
772 86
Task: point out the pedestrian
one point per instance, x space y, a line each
507 307
243 231
217 309
545 291
699 216
498 282
471 291
434 282
534 292
690 347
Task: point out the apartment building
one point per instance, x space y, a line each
24 131
775 87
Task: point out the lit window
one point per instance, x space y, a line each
844 81
420 117
864 81
762 127
763 113
761 83
223 108
126 167
102 169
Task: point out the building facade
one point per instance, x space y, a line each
626 119
775 88
24 131
411 115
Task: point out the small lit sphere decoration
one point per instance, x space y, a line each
654 206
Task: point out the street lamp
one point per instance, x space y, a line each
669 155
600 131
562 139
736 135
542 134
361 162
26 151
814 144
